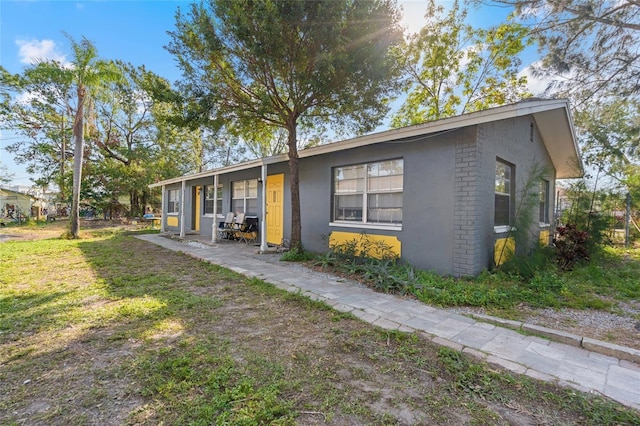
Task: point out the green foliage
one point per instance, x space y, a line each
371 261
592 41
288 64
469 376
571 246
525 227
594 211
487 384
130 145
5 176
526 266
609 138
533 279
296 255
165 329
452 68
224 391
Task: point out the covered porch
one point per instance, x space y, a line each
198 206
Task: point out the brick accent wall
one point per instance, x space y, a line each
467 218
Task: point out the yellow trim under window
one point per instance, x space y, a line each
503 250
544 237
373 243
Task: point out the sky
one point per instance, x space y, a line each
132 31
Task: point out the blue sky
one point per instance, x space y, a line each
132 31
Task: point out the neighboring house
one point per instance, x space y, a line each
441 194
14 204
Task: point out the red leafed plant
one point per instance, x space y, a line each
571 246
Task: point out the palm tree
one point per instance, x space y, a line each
87 73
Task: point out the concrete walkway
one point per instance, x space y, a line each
584 364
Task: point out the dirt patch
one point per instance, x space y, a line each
42 231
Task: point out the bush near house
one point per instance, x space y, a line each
549 277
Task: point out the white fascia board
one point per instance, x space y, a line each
558 135
490 115
210 173
526 107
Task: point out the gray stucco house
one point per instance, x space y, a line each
443 194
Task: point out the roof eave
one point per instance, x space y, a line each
536 107
558 136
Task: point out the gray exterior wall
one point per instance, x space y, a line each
428 196
511 141
448 195
448 192
467 221
207 221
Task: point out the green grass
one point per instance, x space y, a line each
110 329
609 277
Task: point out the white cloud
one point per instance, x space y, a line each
32 51
413 15
537 85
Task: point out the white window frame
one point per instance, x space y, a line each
364 190
175 200
543 212
206 198
509 182
246 196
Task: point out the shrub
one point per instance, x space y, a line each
296 255
571 246
526 267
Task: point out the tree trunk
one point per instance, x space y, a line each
143 202
134 203
78 133
63 159
296 222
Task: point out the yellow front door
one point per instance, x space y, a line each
275 213
196 209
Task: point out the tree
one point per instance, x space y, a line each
41 115
609 132
5 176
452 68
289 63
123 144
50 86
591 46
86 74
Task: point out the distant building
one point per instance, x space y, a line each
14 204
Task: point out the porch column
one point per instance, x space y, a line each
214 225
263 225
163 213
184 184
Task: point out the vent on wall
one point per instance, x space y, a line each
531 132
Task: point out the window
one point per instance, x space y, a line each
209 198
544 201
174 201
503 194
245 197
369 193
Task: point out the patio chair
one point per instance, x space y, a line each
226 228
248 232
237 226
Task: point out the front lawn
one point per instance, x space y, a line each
111 330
